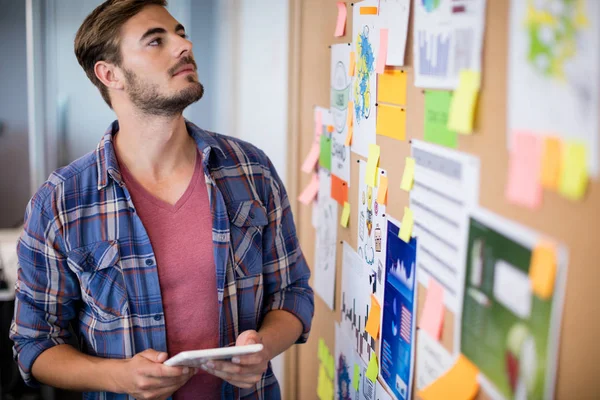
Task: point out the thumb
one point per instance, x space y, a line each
248 337
153 355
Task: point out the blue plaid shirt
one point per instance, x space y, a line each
85 258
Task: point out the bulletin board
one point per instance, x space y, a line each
574 223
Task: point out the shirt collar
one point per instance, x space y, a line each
108 166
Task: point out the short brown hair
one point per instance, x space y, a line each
98 37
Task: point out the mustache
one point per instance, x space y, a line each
185 60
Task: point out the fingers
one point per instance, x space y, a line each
248 360
244 381
164 371
153 355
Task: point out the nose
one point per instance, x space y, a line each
183 46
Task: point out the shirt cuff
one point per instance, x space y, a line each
297 301
29 352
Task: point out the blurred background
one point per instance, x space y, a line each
51 114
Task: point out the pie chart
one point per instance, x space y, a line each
431 5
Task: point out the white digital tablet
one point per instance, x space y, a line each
195 358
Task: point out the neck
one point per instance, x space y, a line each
154 147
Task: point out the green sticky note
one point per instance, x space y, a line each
373 369
325 157
437 107
356 378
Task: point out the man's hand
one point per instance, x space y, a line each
243 371
146 378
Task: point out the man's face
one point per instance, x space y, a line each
158 63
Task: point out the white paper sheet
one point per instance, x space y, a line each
433 360
365 36
341 94
345 358
445 191
394 16
372 232
381 393
447 37
325 251
561 101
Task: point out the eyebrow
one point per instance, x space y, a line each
153 31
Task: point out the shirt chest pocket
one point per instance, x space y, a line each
101 278
247 221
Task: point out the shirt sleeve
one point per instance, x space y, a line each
285 270
46 291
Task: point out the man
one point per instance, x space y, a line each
166 238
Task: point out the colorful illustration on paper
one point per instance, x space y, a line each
364 94
430 5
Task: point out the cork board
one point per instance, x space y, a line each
576 224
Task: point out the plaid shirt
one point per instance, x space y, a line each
85 257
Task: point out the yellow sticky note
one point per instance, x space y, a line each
407 225
322 383
464 102
551 163
356 377
373 368
542 271
574 175
382 191
408 178
330 365
352 66
372 327
460 382
372 164
391 87
391 121
345 215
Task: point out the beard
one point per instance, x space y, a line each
148 99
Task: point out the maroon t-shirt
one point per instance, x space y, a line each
181 236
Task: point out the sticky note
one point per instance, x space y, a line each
551 157
339 190
368 11
311 159
460 382
349 134
322 383
391 121
391 87
341 19
352 66
310 192
523 187
350 113
373 368
356 377
330 365
437 107
432 318
318 122
408 177
542 271
345 215
325 153
464 102
407 225
383 50
574 175
374 319
372 164
383 189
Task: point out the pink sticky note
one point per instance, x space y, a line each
318 122
432 318
311 159
383 50
310 192
524 186
341 19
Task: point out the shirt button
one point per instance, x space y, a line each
149 261
157 317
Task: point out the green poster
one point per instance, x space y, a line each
437 106
506 329
325 157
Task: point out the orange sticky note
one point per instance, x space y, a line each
310 192
432 318
407 225
349 134
368 11
551 163
460 382
383 50
341 19
339 190
391 121
345 215
374 319
311 159
573 171
318 122
352 66
383 189
523 187
391 87
542 271
408 178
